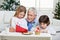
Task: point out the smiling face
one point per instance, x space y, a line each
31 16
21 15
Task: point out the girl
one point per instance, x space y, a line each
18 23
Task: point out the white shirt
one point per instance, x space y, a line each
16 21
50 30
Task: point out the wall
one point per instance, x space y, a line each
28 3
1 1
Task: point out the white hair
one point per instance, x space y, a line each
33 9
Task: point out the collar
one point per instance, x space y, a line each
30 22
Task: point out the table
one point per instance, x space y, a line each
19 36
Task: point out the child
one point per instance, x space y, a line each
44 25
18 23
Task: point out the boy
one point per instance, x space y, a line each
44 25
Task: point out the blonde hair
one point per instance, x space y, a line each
20 9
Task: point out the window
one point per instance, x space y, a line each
28 3
46 4
42 4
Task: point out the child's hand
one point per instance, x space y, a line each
37 28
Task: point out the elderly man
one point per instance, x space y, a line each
31 18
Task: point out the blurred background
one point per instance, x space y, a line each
47 7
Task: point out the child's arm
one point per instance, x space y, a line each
41 30
11 29
44 31
12 26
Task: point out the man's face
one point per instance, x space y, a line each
31 16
